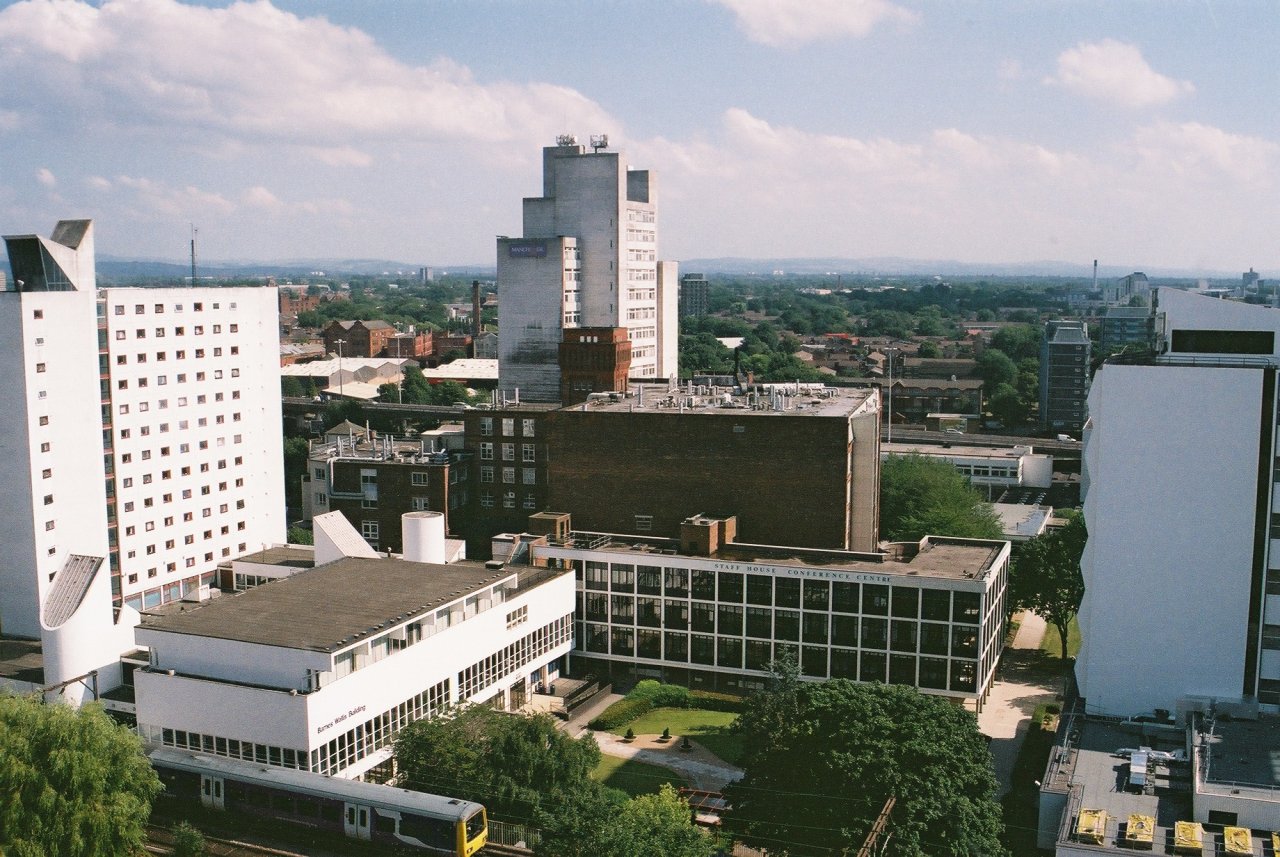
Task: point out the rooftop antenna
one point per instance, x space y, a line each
599 141
194 232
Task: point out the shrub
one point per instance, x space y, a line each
187 840
713 701
622 711
631 734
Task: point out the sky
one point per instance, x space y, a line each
1144 134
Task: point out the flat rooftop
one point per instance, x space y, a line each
762 400
22 661
328 608
956 559
1092 763
998 452
284 555
1245 752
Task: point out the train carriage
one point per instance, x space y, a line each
383 814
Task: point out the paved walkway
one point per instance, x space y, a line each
1027 678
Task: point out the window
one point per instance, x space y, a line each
40 367
486 451
418 479
369 529
508 452
509 475
529 476
526 452
486 425
508 427
486 473
37 313
526 427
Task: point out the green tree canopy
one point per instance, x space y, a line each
1046 575
860 744
510 763
1019 341
72 782
595 825
995 368
921 496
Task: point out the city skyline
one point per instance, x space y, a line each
1000 133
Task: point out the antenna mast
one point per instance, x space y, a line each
194 232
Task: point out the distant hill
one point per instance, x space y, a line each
120 269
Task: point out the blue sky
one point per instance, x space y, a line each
1144 134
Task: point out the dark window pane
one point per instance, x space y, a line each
964 642
649 612
902 669
817 594
677 582
649 580
906 602
965 608
730 620
729 652
677 646
624 641
730 587
933 638
759 622
813 661
786 592
933 673
649 644
704 585
786 625
872 667
703 649
936 605
759 653
759 590
704 617
903 637
844 663
844 630
875 599
875 633
815 627
675 615
844 597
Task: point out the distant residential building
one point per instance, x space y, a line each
938 367
1124 325
447 344
485 345
412 343
1126 288
1250 280
1064 375
693 295
588 257
357 338
914 399
297 299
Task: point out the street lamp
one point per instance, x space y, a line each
340 343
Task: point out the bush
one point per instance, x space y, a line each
187 840
622 711
713 701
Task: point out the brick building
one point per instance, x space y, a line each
358 338
796 464
593 360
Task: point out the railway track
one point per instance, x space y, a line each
504 851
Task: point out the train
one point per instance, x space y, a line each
382 814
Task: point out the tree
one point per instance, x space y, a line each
511 763
921 496
291 387
995 367
929 350
1007 406
1046 575
862 743
72 781
1019 341
596 826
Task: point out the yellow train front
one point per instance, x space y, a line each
377 813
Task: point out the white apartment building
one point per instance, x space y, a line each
1182 503
140 449
993 468
192 414
588 258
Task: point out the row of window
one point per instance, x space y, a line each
528 475
148 478
876 599
508 426
937 673
248 751
488 501
159 333
515 657
868 632
182 401
376 733
170 591
139 309
527 452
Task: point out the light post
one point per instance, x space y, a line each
340 342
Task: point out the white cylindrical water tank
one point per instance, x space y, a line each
423 534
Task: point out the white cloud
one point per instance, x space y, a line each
341 156
259 197
260 75
1117 72
46 177
176 202
787 23
1009 69
98 183
1203 153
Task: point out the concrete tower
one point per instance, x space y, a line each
588 258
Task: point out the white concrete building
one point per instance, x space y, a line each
140 449
193 410
993 468
588 257
1182 570
319 669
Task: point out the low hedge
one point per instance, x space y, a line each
650 694
623 711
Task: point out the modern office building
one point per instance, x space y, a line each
140 449
319 668
588 257
1125 289
992 469
1064 375
1182 566
706 610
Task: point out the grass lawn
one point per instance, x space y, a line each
708 728
634 778
1052 643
